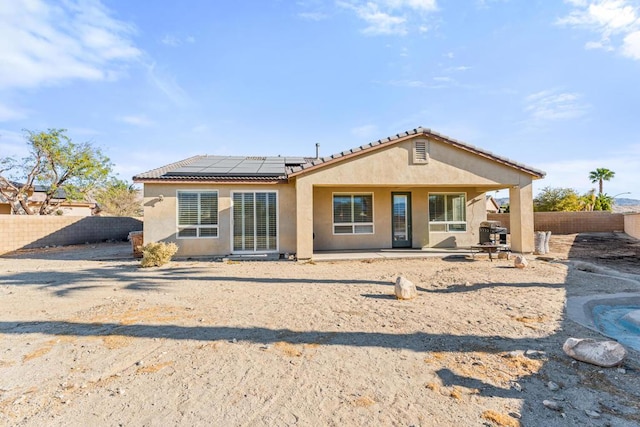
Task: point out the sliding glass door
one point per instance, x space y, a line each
255 221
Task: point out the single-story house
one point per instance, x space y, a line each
417 189
37 194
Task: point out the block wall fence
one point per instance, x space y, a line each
33 231
632 225
571 222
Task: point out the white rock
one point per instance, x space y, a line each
405 289
547 238
552 404
592 414
600 353
520 261
553 386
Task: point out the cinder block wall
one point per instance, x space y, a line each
571 222
632 225
34 231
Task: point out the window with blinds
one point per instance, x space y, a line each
447 213
255 221
197 214
353 214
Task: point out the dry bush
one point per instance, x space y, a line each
157 254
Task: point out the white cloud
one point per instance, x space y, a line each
424 5
167 85
8 114
617 22
140 120
409 83
555 105
175 41
313 16
366 131
391 17
631 45
12 144
43 44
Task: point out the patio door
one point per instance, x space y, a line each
401 220
255 221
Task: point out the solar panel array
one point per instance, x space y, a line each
237 166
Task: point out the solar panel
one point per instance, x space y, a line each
234 166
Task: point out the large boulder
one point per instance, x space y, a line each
520 261
405 289
599 353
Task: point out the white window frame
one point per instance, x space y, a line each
447 223
231 236
197 227
352 224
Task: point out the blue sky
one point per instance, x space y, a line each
551 84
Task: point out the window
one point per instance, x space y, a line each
197 214
255 221
447 213
353 214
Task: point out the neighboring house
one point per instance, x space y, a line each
492 205
418 189
38 194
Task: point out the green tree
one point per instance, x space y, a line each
557 199
588 200
119 198
599 175
55 162
603 203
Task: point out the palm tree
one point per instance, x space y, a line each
599 175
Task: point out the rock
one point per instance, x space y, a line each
534 353
547 238
405 289
539 239
516 386
592 414
621 371
600 353
553 386
520 261
552 404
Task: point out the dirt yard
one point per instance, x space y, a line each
89 338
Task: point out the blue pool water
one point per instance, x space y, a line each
619 322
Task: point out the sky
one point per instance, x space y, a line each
553 84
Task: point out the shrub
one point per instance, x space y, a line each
157 254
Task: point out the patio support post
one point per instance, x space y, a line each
304 219
521 217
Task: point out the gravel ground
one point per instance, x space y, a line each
89 338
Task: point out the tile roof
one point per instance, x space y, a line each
223 168
269 169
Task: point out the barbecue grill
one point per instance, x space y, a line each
491 232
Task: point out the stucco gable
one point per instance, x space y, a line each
411 134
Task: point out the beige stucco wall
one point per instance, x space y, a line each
305 204
160 217
382 236
392 168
